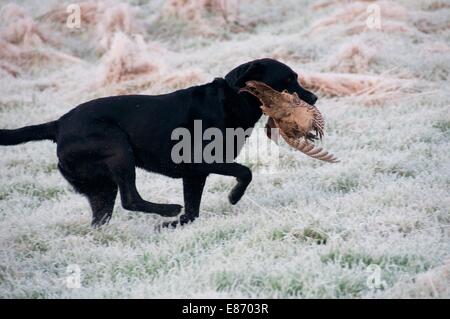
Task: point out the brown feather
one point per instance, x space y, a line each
294 118
305 147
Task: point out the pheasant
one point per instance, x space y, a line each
294 118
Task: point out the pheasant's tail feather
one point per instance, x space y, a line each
309 149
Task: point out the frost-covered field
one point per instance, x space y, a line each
306 229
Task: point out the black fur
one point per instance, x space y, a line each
99 143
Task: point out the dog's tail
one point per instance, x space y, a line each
46 131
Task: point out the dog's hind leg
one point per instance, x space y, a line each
122 168
102 204
100 191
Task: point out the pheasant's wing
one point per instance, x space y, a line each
309 149
318 123
312 116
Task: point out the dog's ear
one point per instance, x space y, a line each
236 78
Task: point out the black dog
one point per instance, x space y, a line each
99 143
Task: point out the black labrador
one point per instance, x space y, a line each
100 142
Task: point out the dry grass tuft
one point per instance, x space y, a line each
352 57
19 28
328 3
205 15
185 78
9 69
427 25
394 17
23 43
103 18
195 10
438 5
353 16
126 59
118 18
437 47
368 89
89 14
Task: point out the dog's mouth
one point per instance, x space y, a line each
256 88
249 89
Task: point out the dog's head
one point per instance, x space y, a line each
275 74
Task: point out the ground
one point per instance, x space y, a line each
375 225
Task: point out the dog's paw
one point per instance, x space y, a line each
172 225
235 196
184 219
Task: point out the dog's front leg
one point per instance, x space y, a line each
192 190
242 173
